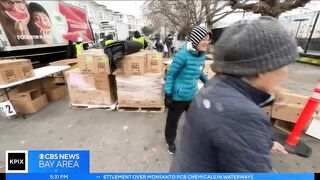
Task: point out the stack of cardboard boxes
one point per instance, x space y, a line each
286 110
31 97
25 100
92 84
139 80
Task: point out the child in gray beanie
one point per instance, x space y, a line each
225 129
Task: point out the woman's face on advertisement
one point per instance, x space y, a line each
41 20
16 9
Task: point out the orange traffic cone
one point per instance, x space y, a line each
292 143
305 117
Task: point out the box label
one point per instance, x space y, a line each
158 57
105 60
88 59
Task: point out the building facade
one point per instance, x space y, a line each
99 15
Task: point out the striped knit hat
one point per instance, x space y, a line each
197 34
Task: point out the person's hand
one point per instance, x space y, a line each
278 148
46 34
168 101
21 29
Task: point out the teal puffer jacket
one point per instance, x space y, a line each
183 74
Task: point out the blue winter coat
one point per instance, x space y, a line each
225 130
183 74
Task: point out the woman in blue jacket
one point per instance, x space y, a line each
182 80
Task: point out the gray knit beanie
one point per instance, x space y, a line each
251 47
197 34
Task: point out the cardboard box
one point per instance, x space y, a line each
29 101
207 69
133 83
120 68
11 93
288 97
94 62
104 82
154 62
284 126
47 83
267 110
65 62
132 64
53 91
59 80
31 85
101 64
24 68
286 111
91 89
56 93
8 72
59 76
91 97
135 64
140 91
140 99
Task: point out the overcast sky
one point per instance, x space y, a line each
135 7
127 7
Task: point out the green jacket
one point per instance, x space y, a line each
79 48
140 40
107 42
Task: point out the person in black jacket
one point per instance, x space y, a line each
225 129
168 44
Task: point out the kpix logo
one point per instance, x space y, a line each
16 161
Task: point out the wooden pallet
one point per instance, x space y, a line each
140 109
87 106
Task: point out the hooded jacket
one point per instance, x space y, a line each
183 74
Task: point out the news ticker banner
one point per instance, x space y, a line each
75 165
48 161
162 176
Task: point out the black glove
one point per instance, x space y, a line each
168 101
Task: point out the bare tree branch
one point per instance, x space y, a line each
272 8
290 4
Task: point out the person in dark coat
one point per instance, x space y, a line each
168 44
225 129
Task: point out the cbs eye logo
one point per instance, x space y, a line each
16 161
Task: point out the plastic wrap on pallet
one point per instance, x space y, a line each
147 82
90 89
140 91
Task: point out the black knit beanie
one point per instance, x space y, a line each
251 47
197 34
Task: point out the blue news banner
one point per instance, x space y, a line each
75 165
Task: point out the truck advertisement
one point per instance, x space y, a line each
44 23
